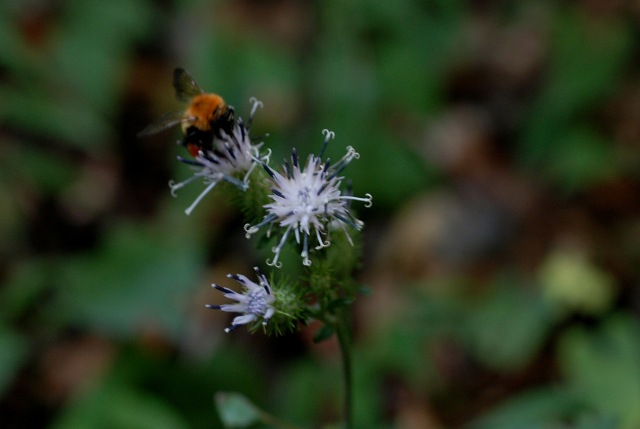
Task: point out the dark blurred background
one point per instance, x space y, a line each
501 143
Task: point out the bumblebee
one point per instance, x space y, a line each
204 118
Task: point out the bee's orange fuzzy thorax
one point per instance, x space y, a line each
205 108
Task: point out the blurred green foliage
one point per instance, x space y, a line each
536 329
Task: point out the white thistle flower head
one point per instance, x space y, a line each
255 302
307 201
231 156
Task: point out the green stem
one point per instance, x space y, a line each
343 331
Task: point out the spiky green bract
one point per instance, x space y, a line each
251 202
330 274
344 253
331 280
290 308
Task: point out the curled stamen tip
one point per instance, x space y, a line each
274 263
322 245
249 229
352 153
368 200
328 134
255 102
174 187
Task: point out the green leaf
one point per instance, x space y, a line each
596 421
587 61
115 406
603 367
572 284
536 409
13 350
304 389
63 119
140 278
235 410
91 47
324 333
339 303
13 51
581 158
420 44
586 64
508 328
50 174
26 285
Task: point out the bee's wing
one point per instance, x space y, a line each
186 87
169 120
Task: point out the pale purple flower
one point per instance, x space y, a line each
255 301
232 159
307 201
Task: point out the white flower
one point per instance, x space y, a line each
231 156
255 302
307 200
